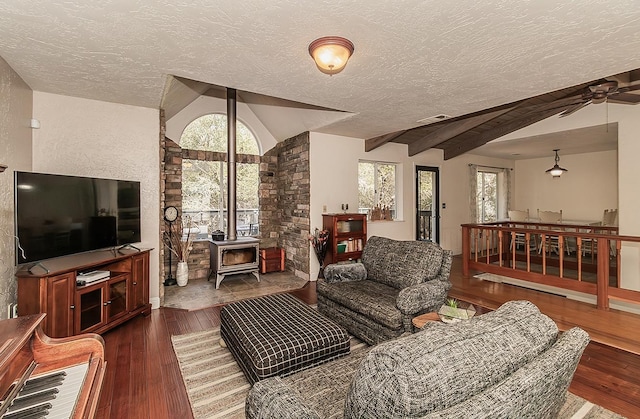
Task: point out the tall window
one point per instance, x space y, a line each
377 186
487 196
204 180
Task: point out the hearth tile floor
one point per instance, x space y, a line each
200 293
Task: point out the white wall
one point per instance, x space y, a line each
100 139
456 193
16 101
582 193
629 196
334 181
205 105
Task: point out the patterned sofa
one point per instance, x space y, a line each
510 363
397 280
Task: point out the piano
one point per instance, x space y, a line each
43 377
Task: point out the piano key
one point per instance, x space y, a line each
63 405
70 389
31 388
22 402
39 411
56 376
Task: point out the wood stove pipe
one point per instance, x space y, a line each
231 164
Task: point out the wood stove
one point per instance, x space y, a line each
230 257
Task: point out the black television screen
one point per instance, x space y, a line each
59 215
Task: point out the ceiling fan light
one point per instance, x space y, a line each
331 53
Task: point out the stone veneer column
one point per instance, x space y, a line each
293 202
172 195
163 176
270 213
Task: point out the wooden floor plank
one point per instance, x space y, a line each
138 368
121 406
156 400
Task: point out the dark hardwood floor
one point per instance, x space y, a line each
143 379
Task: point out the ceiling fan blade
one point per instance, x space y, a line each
625 98
574 108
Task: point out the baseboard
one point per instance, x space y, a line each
155 303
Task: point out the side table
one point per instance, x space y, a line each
421 320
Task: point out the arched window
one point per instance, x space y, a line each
204 176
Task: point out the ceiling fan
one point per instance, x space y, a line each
605 91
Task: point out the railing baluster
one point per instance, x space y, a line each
579 256
488 239
544 253
500 255
476 239
618 270
513 246
561 255
603 274
527 239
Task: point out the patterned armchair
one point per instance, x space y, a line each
397 280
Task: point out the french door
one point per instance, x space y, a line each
427 203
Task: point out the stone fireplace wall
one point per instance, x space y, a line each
293 202
284 201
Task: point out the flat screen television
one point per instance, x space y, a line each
58 215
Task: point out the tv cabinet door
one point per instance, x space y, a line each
140 280
59 320
118 297
90 308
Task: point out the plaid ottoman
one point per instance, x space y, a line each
279 335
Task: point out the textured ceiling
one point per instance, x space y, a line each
413 59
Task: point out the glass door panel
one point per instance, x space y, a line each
117 297
427 203
91 308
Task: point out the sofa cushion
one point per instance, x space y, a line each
372 299
401 263
445 364
345 272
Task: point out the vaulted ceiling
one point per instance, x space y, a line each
476 61
465 133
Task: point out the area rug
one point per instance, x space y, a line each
217 387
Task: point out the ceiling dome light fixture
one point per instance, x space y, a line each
556 170
331 53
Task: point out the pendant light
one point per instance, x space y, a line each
556 171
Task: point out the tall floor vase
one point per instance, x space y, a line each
182 273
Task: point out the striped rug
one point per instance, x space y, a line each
217 388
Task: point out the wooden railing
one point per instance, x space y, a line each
582 258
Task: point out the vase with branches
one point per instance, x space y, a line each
319 240
179 240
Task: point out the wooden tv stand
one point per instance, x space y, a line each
50 287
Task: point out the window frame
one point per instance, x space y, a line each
481 201
196 154
397 211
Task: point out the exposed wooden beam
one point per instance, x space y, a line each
453 129
504 129
373 143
